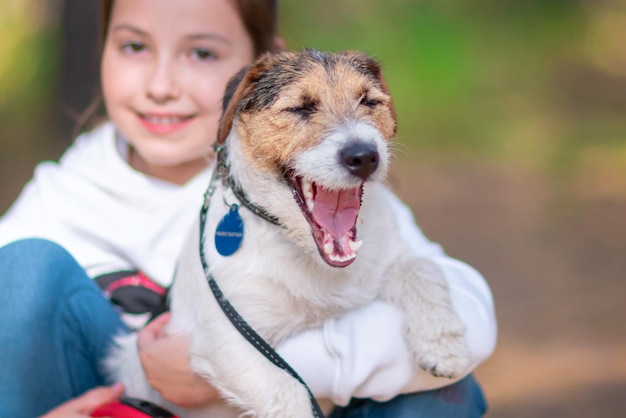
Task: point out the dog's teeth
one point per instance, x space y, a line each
344 258
307 190
328 248
355 245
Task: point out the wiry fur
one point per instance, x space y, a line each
293 114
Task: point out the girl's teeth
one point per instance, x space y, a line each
164 120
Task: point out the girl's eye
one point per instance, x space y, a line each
203 54
133 47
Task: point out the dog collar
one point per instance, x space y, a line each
222 170
257 210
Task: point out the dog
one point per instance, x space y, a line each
303 153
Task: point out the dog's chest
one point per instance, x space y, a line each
277 298
281 287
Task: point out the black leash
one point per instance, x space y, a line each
231 313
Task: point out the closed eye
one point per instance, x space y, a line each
369 102
305 110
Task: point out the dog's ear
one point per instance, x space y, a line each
238 89
371 67
232 85
229 103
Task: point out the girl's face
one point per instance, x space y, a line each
165 66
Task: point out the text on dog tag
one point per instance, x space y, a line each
229 232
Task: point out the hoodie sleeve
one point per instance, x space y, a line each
363 354
25 218
30 215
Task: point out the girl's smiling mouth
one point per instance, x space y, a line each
163 123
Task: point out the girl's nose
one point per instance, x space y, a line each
162 84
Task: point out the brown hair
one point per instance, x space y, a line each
260 19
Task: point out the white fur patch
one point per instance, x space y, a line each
322 163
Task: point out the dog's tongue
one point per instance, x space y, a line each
336 211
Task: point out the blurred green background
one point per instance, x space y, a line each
533 81
511 152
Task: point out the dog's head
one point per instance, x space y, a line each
320 122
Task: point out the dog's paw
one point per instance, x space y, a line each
439 346
446 356
450 366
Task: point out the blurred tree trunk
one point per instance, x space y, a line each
80 22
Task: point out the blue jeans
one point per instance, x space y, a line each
464 399
55 327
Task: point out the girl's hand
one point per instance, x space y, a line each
85 404
165 360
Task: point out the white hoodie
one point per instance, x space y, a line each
111 218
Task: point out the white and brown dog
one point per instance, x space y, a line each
307 141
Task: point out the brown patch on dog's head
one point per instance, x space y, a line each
287 102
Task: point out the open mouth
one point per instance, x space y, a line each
332 215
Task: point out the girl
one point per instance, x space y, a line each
111 216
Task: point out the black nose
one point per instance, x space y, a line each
361 159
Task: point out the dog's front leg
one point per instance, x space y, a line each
245 378
435 334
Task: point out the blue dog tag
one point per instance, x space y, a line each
229 232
